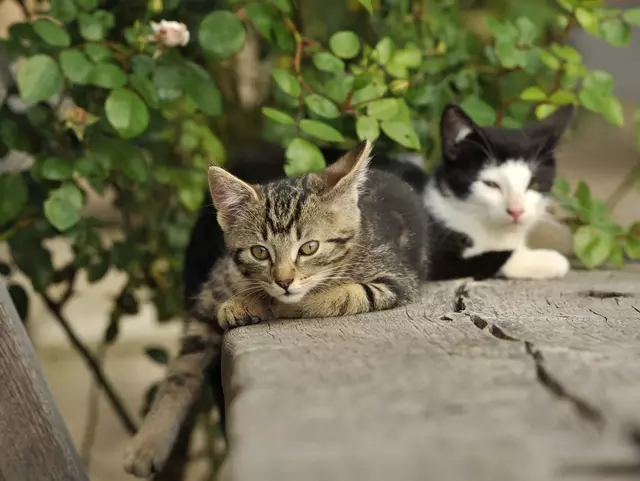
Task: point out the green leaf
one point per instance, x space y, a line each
202 90
533 93
401 132
367 4
146 90
278 116
480 112
52 33
126 113
616 256
107 76
562 185
88 5
632 16
94 26
302 157
632 246
13 196
130 160
582 193
592 246
75 66
567 53
284 5
221 34
586 19
157 354
142 64
385 49
55 168
612 111
500 30
344 44
168 81
321 130
322 106
549 59
367 128
262 18
63 10
544 110
410 56
615 31
563 97
39 78
62 207
527 31
383 109
328 63
287 82
191 197
599 80
99 53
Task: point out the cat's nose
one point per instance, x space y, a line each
284 283
515 213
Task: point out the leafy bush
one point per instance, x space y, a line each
117 104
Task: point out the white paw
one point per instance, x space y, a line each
536 264
147 454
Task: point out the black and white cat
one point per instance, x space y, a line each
490 189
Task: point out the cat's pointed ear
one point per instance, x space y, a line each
553 125
348 173
455 126
230 195
548 131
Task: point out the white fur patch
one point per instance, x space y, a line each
527 263
463 133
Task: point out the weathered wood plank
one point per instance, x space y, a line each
481 381
34 442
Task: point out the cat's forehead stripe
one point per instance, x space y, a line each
283 206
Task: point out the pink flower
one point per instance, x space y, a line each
170 34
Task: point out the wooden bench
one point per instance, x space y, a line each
34 442
495 381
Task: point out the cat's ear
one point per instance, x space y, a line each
455 126
553 125
347 175
230 195
549 130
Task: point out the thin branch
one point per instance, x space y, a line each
25 9
623 188
93 412
92 363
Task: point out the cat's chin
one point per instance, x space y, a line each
291 298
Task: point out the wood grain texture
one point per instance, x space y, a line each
34 442
495 381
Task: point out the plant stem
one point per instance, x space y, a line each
92 363
92 415
623 188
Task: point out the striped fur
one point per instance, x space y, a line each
367 231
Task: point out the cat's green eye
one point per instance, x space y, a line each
534 185
309 248
260 252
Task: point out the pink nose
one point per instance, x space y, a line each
515 213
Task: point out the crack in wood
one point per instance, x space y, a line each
583 408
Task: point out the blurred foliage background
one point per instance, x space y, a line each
108 100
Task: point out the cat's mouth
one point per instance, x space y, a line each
291 297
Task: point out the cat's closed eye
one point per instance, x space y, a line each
492 184
309 248
534 185
260 253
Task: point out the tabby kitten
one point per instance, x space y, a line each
346 240
490 189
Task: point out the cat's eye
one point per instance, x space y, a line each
534 185
309 248
260 252
491 183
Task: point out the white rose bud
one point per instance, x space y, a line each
170 34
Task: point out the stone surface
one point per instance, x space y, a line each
496 380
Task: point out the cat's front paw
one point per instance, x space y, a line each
241 312
147 454
536 264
